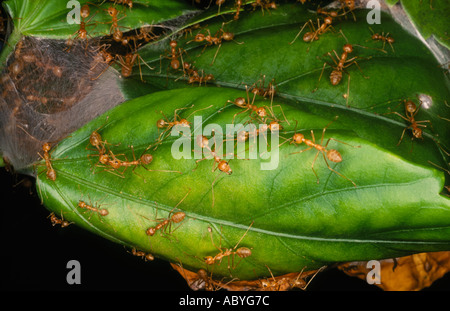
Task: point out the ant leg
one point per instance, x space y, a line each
340 141
215 55
298 34
331 169
403 133
314 162
309 148
212 188
320 77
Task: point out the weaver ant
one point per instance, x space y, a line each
331 154
166 223
168 125
124 2
241 252
218 163
264 4
56 221
142 254
51 173
410 112
128 61
340 63
315 33
217 39
95 209
384 38
82 32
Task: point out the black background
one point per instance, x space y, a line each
35 254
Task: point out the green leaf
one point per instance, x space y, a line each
48 19
296 221
401 72
430 18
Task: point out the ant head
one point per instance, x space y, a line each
173 44
46 147
242 136
84 11
410 106
198 37
261 112
146 158
103 212
328 20
334 155
161 123
298 138
95 139
348 48
275 126
184 122
112 11
202 141
150 231
209 260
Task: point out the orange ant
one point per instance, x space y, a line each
238 9
270 91
341 62
142 254
56 221
315 33
115 163
384 38
166 224
51 173
222 165
331 154
217 39
410 112
168 125
128 62
246 105
95 209
242 252
264 4
219 3
287 281
115 28
82 32
124 2
174 55
261 112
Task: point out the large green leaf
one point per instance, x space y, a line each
296 221
394 75
49 19
430 18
